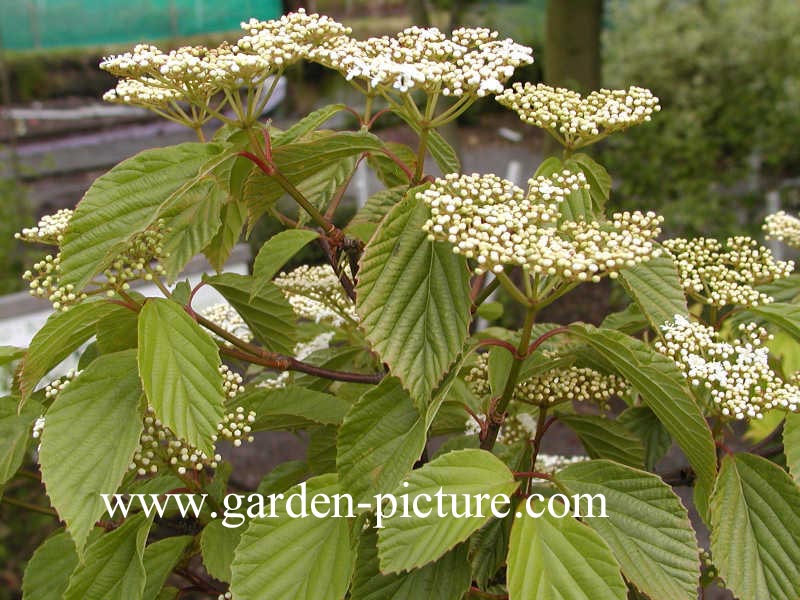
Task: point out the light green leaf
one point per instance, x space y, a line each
604 438
159 560
647 528
47 572
15 433
656 289
275 253
388 171
113 568
292 407
559 559
179 365
755 529
91 432
125 201
446 579
500 361
269 315
783 315
300 558
232 219
791 444
642 421
60 336
413 299
118 331
664 390
409 543
307 124
10 354
381 438
217 544
630 320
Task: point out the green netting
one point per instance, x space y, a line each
28 24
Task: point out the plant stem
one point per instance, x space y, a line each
512 289
423 147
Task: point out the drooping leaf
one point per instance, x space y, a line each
269 316
300 558
232 218
217 544
179 366
47 572
102 409
125 201
755 529
113 568
604 438
15 433
664 390
642 421
554 559
647 528
656 289
159 559
10 354
413 299
275 253
409 543
381 438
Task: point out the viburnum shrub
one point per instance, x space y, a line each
376 351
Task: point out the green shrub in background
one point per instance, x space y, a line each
728 75
13 214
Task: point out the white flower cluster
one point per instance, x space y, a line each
577 120
736 376
139 260
493 222
726 274
226 317
470 61
56 386
784 228
49 230
519 427
570 384
550 463
315 293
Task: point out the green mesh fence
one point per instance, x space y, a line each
29 24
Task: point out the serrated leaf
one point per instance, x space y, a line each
656 289
307 124
409 543
365 222
413 299
553 559
101 408
647 529
15 433
159 560
217 543
232 218
60 336
791 444
783 315
275 253
269 315
125 201
755 529
292 407
381 438
664 390
179 366
446 579
300 558
642 421
489 548
47 572
604 438
113 568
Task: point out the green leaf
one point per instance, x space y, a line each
118 331
179 365
755 529
365 222
604 438
664 390
656 289
409 543
159 560
489 547
283 476
192 220
554 559
446 579
791 444
10 354
388 171
491 311
91 432
300 558
321 186
113 568
275 253
60 336
217 544
307 124
642 421
292 407
500 361
15 433
783 315
321 451
598 178
269 315
47 572
218 250
125 201
413 299
647 528
630 320
381 438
